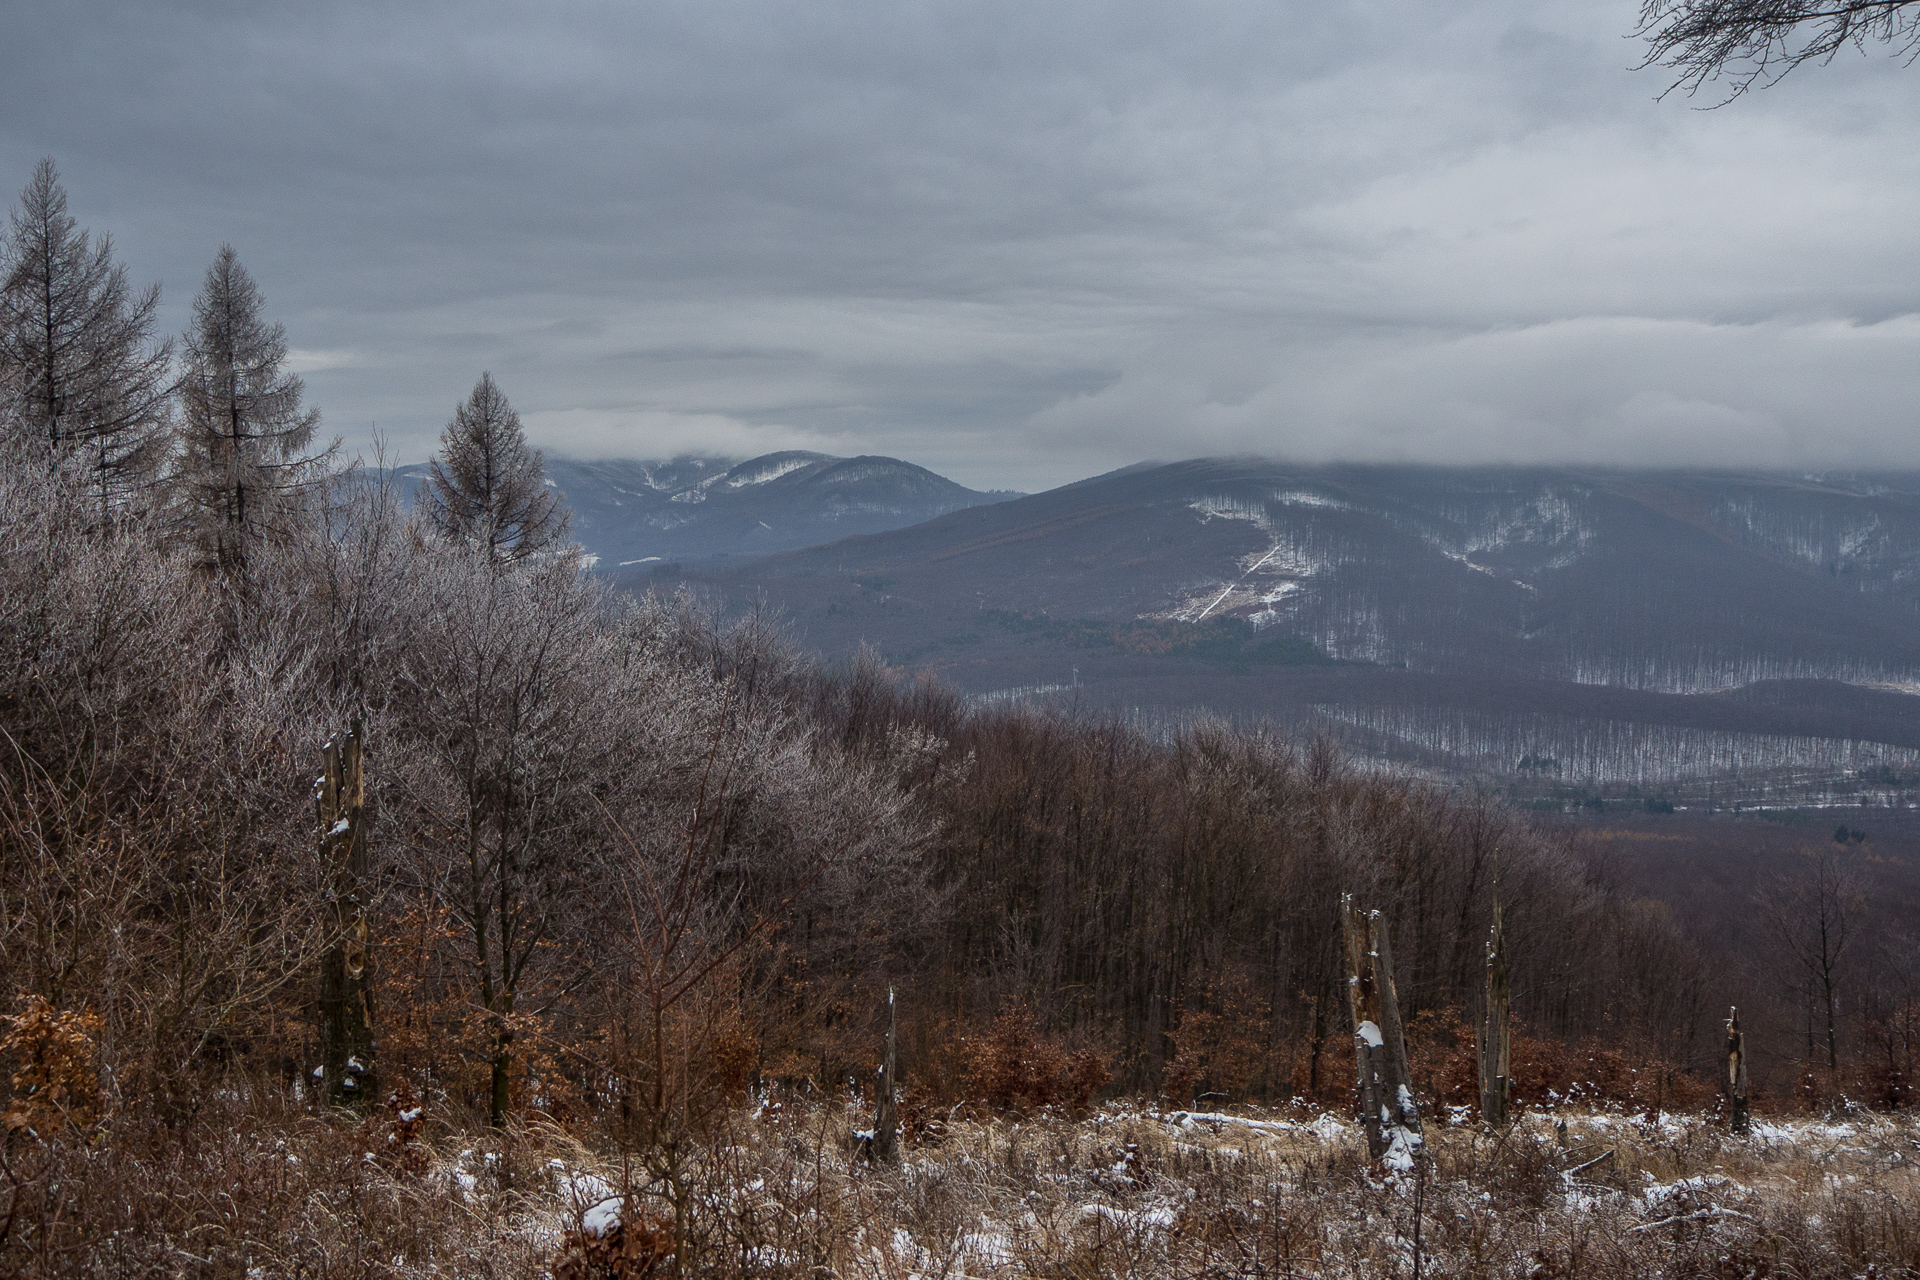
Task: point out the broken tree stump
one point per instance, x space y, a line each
886 1125
1388 1110
346 1074
1739 1117
1495 1033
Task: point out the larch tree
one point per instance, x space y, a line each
245 465
487 487
79 374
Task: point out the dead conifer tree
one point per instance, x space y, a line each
1496 1034
1387 1107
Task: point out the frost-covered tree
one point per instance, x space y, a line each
487 487
245 465
79 374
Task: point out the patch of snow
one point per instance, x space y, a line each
1188 1119
1403 1146
1370 1033
1160 1217
1224 508
773 472
1304 498
1908 687
991 1246
1328 1128
1477 568
602 1218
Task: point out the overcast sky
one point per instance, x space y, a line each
1019 243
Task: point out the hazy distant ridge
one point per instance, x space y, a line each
699 507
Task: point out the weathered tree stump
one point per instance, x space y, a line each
1495 1038
1739 1118
346 974
886 1126
1388 1111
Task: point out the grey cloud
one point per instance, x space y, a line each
1018 243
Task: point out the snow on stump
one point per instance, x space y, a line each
1382 1083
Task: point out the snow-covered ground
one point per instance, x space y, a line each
1137 1190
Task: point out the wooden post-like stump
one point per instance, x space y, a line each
1495 1038
346 1074
886 1128
1388 1111
1739 1118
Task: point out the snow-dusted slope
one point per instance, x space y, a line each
634 513
1665 582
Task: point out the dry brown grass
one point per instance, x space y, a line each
250 1189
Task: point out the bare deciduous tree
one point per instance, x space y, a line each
78 372
143 791
500 684
1757 41
487 486
1813 916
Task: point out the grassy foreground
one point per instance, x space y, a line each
1128 1190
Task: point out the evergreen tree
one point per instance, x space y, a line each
78 374
245 470
487 487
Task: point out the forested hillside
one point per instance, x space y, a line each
1643 631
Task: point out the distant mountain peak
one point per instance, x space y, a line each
698 507
772 466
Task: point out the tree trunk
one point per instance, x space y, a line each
501 1096
886 1135
1496 1033
1833 1019
1387 1107
1738 1117
346 976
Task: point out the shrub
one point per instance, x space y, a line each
55 1084
1015 1066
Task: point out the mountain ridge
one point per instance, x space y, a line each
700 507
1466 581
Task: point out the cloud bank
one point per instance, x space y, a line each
1016 243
